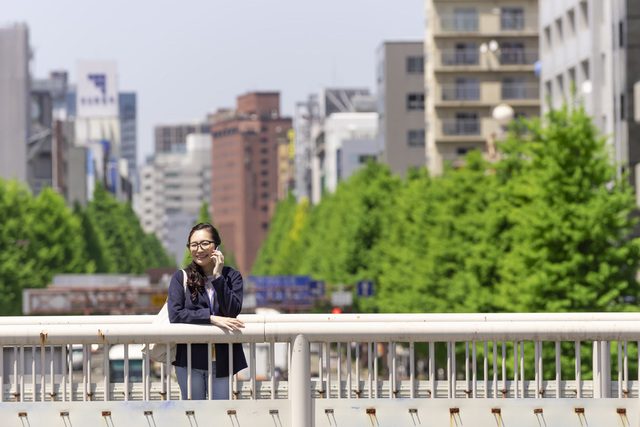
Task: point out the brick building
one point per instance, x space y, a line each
244 184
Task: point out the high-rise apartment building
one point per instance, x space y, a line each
478 54
589 44
14 101
400 82
173 137
172 189
128 134
245 176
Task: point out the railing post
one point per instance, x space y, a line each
605 358
300 381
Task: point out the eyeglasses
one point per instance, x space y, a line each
204 245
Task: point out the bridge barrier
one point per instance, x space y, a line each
39 381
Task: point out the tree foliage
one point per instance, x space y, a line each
40 236
545 228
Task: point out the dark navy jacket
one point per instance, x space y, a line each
227 301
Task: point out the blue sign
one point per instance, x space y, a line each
365 288
316 287
282 290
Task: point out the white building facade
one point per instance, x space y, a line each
14 101
591 44
172 188
341 130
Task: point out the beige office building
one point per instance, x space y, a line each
400 97
478 54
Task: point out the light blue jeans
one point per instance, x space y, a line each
199 383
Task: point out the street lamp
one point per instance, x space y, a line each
503 114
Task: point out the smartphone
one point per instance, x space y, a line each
218 249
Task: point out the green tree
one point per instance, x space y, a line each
157 255
96 249
270 260
58 243
120 239
17 270
568 220
39 237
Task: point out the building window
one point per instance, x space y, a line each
264 140
514 88
571 19
465 19
462 54
467 89
416 138
465 123
512 18
364 158
265 195
415 101
559 31
547 38
265 225
513 53
263 129
264 173
264 208
415 65
584 13
584 66
264 161
572 76
264 184
264 150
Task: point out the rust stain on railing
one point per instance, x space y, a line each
43 337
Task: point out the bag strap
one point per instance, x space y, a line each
184 280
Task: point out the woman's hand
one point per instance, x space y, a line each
218 260
229 323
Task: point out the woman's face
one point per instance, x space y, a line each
202 253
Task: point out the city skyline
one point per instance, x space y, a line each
170 56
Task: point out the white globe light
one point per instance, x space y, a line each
587 86
493 45
503 114
484 48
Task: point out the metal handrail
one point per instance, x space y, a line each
455 330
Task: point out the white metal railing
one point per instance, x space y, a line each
518 56
460 92
520 91
346 352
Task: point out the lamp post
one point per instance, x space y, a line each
503 114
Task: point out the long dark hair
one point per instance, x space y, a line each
196 277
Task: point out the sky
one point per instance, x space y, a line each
186 58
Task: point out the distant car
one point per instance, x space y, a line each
116 363
76 356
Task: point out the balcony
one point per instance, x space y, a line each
518 23
459 23
460 127
517 56
524 91
459 57
460 92
451 25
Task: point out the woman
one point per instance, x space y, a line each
213 296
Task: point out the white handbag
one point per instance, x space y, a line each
158 352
